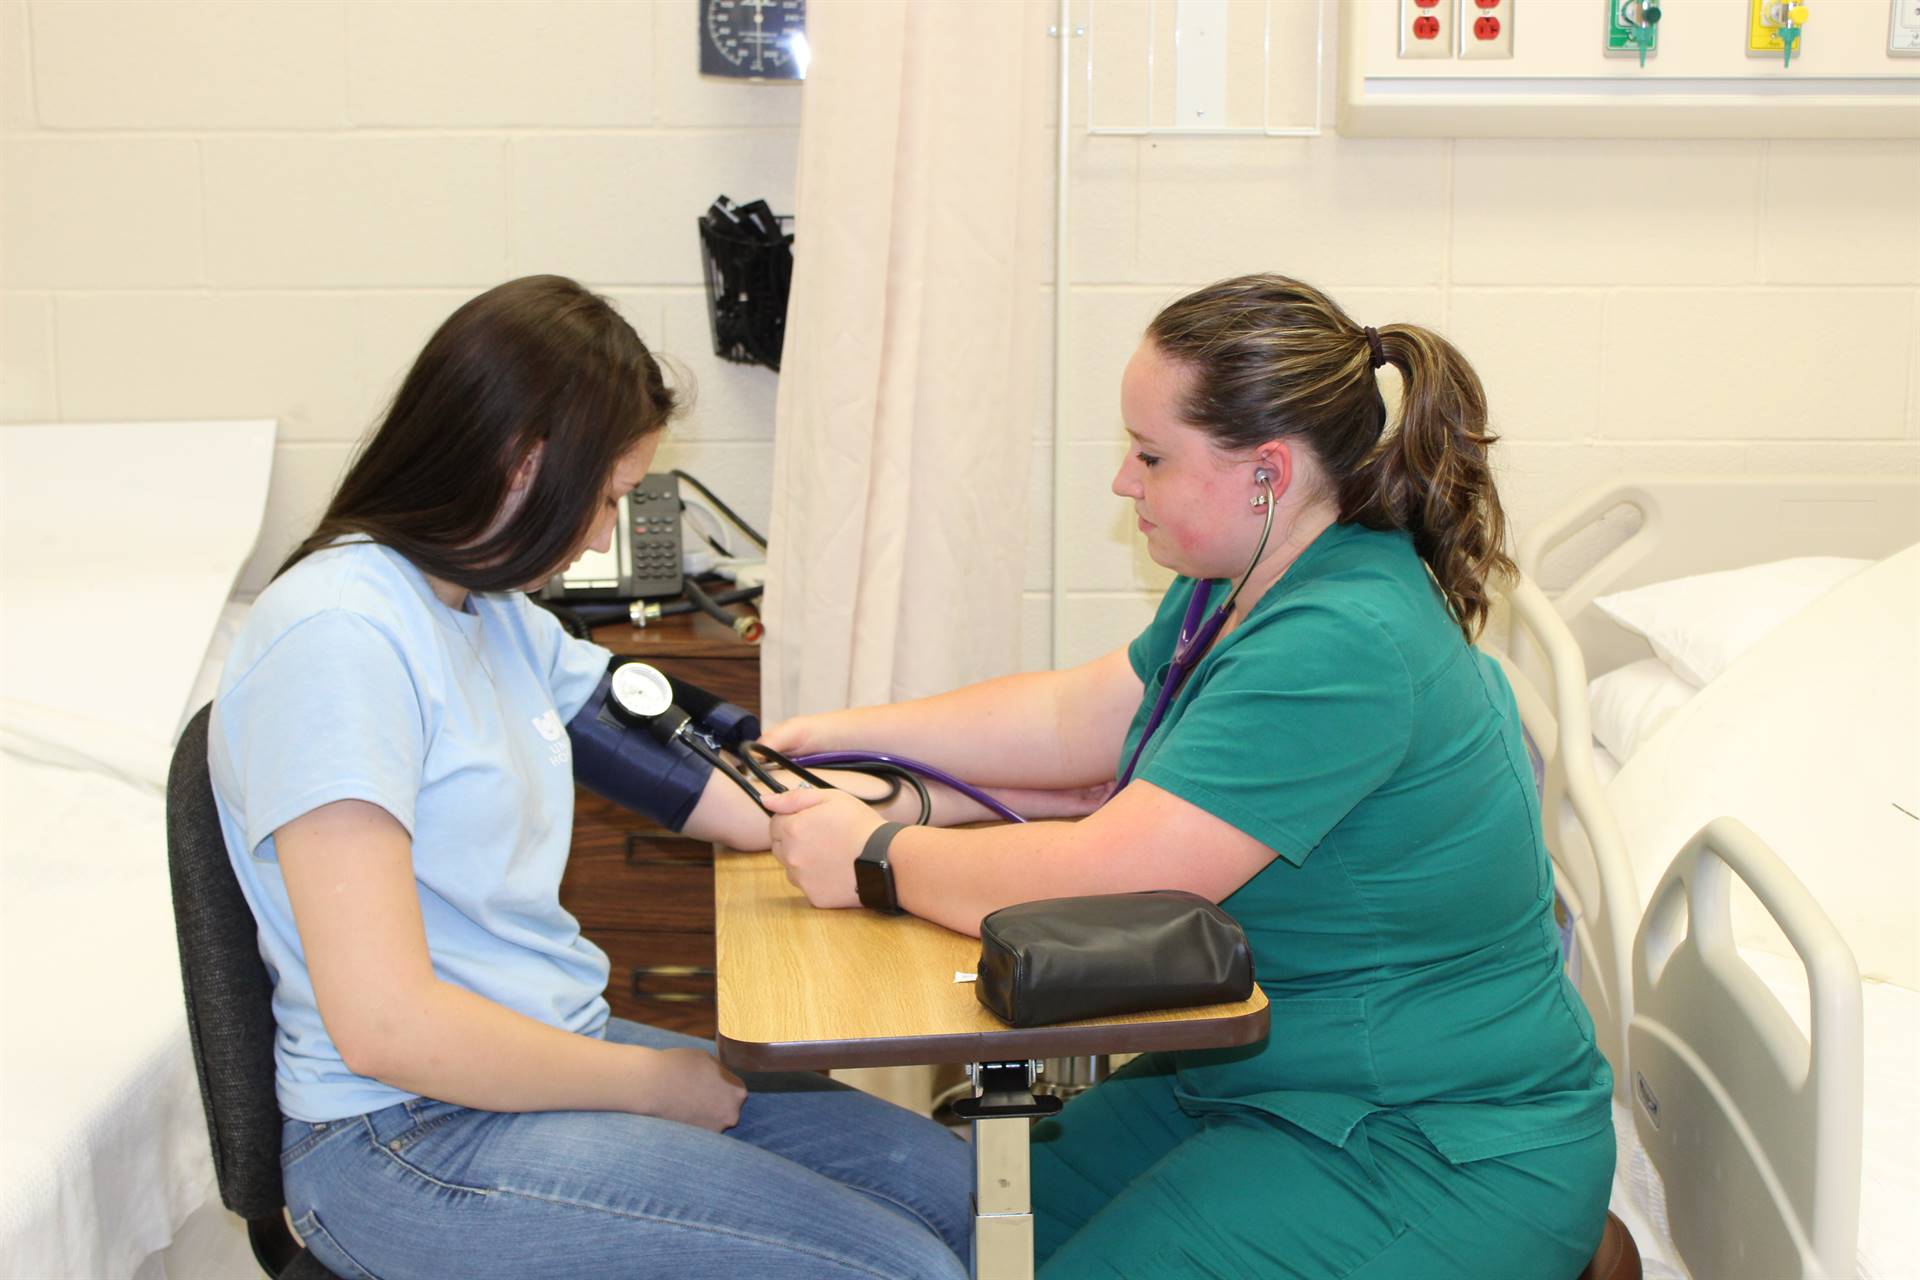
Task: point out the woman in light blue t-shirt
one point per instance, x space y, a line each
395 784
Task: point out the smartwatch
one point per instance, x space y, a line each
873 874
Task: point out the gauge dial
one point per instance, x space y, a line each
640 691
754 39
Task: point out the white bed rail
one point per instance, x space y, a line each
1591 868
1756 1130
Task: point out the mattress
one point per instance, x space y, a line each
104 1147
1808 739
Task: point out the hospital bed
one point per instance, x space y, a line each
119 548
1763 1096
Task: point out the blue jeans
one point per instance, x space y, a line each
817 1180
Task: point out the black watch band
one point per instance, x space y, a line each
873 874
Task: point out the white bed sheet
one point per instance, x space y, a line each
146 522
104 1152
1810 740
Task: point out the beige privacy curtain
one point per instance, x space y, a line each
908 395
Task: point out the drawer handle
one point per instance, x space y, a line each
671 971
672 997
637 840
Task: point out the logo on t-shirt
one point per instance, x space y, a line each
547 725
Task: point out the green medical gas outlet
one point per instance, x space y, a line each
1633 26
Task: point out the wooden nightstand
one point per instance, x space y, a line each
642 894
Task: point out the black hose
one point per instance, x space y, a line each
723 508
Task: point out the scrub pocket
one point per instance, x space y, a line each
1313 1070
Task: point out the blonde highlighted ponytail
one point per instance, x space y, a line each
1431 476
1276 358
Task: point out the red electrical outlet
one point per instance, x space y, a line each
1426 28
1490 35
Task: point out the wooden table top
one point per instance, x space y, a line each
805 988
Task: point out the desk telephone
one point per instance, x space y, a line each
644 563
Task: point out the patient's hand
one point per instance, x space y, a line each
816 836
797 735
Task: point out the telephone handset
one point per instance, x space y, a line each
644 563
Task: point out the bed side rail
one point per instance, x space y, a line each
1755 1130
1591 868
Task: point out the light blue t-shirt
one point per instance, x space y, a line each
351 680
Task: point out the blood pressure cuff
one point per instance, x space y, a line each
724 722
1094 957
626 764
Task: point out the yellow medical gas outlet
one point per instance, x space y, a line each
1775 26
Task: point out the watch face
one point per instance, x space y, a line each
874 884
754 39
640 690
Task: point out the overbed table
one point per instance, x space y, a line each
801 988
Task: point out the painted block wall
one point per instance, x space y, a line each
228 209
1690 307
262 209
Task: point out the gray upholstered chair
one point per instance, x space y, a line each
229 1013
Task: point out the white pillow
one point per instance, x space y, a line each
1630 702
1699 625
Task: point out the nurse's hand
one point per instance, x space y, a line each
816 836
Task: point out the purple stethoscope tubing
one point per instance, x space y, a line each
828 759
1195 636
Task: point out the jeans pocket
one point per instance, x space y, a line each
321 1244
426 1116
298 1138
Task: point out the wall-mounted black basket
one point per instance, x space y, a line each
747 254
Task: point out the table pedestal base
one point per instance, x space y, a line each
1001 1112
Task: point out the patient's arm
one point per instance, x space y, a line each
349 874
1039 731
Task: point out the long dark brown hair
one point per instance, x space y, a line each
1275 358
535 361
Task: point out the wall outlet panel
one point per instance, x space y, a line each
1764 20
1426 28
1621 29
1903 29
1563 81
1486 28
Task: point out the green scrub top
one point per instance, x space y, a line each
1405 933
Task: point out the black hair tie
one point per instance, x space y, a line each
1379 352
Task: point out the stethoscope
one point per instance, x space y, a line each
642 697
1196 636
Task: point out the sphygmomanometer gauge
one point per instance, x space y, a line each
754 39
638 692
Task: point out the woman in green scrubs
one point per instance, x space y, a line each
1345 774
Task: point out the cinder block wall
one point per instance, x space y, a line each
264 208
221 209
1700 307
